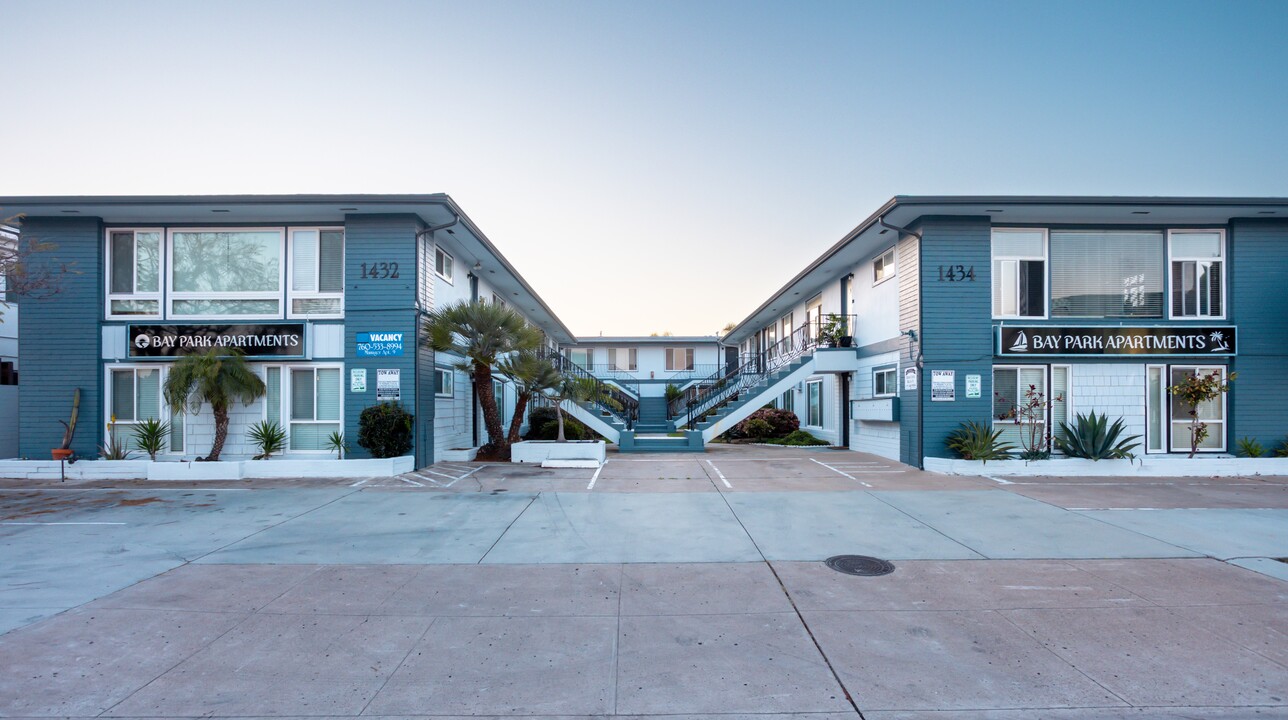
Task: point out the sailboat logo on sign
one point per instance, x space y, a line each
1021 343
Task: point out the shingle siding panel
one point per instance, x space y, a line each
59 341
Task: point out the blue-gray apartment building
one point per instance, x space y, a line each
324 293
935 310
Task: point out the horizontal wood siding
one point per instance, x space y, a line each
1258 401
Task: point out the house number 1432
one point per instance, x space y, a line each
379 270
956 273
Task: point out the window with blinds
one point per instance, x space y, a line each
1198 284
317 272
1019 273
679 358
623 359
314 406
136 396
1106 274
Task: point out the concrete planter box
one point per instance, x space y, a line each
1143 466
458 455
321 467
539 451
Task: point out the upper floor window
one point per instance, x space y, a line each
226 273
679 358
583 357
883 267
624 359
1019 273
317 272
1107 274
497 300
134 273
1197 259
443 264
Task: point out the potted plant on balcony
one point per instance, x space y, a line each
835 332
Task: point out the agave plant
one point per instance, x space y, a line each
1250 448
269 437
150 435
976 441
1093 438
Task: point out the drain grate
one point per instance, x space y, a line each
860 565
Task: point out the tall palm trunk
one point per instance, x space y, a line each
491 413
221 432
559 414
520 407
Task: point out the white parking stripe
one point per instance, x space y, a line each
595 477
62 523
842 472
411 482
360 482
722 477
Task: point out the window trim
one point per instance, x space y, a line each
167 414
450 384
1171 257
690 358
287 392
292 294
1046 272
1168 421
158 296
279 295
452 270
1165 423
889 270
809 408
881 370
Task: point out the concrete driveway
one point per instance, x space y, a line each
657 586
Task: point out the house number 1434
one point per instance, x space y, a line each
956 273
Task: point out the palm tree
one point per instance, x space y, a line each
217 376
532 375
580 389
482 333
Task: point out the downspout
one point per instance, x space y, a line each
845 377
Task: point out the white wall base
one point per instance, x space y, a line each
190 471
587 464
1144 466
539 451
457 455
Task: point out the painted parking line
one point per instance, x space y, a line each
594 478
62 523
409 481
722 477
464 476
841 472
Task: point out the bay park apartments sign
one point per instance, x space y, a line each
1100 340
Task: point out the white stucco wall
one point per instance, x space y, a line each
878 438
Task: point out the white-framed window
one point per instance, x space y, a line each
444 383
498 300
317 273
225 273
443 264
1156 402
582 357
498 395
1011 384
133 272
307 400
135 394
787 401
788 327
1019 272
814 403
1106 273
1211 413
679 358
885 382
1197 261
623 359
883 267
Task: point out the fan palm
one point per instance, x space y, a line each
581 389
482 333
532 375
217 376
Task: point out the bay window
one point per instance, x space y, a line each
134 273
225 273
1019 273
317 273
1198 285
1106 274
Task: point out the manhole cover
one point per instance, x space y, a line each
860 565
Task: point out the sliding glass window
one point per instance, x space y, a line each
1106 274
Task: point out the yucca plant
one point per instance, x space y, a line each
1250 448
977 441
1093 438
336 442
269 437
150 435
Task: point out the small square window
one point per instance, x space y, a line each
883 267
444 383
443 264
885 382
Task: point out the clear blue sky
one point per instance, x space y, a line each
656 165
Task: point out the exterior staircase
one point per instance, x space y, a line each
653 416
752 396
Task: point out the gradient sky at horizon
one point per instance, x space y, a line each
650 166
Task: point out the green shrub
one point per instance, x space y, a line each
269 437
673 391
799 438
1093 438
1282 450
543 424
1249 447
781 422
976 441
385 430
758 428
150 435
